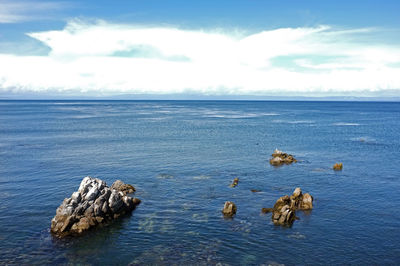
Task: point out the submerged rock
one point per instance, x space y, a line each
279 158
267 210
338 166
229 209
94 203
235 182
284 210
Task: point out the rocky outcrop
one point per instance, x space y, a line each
284 210
94 203
338 166
229 209
279 158
235 182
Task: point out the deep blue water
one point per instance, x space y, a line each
181 156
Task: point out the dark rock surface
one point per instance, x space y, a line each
94 203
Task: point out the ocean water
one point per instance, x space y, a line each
182 156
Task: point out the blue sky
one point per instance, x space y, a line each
253 47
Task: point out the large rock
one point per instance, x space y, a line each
94 203
284 210
279 158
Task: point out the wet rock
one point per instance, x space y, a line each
124 188
279 158
235 182
267 210
255 190
284 210
338 166
229 209
94 203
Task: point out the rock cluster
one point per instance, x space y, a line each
338 166
279 158
284 210
229 209
94 203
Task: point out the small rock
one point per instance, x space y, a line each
229 209
235 182
307 202
255 190
338 166
297 192
124 188
279 158
276 161
136 201
267 210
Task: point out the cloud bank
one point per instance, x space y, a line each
102 58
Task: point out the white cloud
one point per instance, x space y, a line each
103 58
14 11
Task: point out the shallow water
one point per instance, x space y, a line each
182 156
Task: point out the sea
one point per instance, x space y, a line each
181 156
